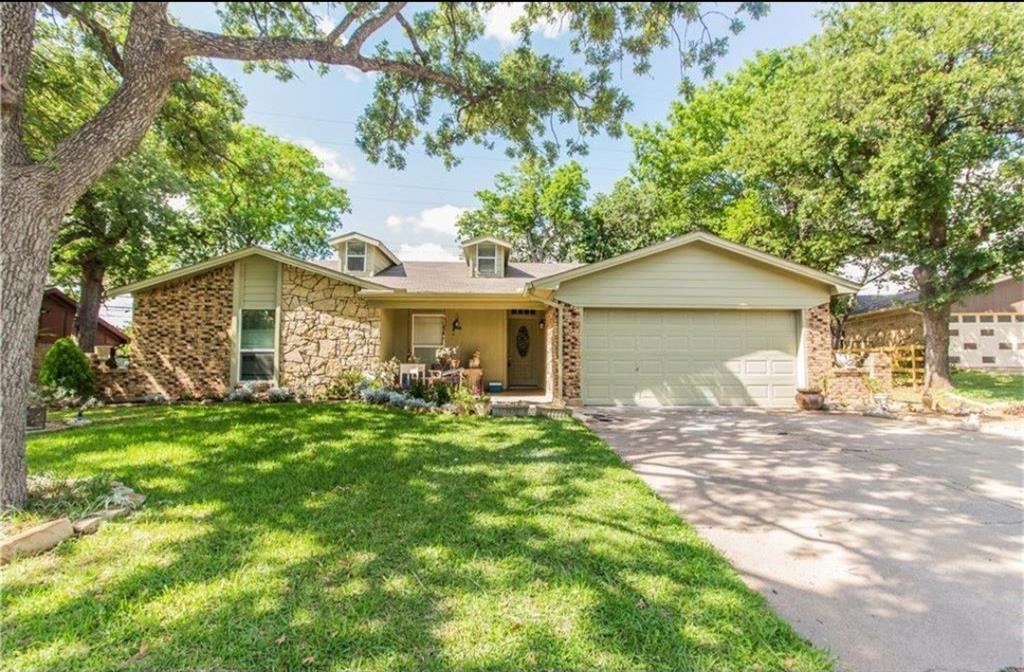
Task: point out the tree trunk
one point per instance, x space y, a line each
936 348
88 315
29 223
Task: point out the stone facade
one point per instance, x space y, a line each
897 327
817 339
181 341
551 352
326 330
572 344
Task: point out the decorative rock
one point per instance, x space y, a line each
136 499
36 539
87 525
109 514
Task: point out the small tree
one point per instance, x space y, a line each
65 366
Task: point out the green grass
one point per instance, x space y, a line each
292 537
980 387
990 387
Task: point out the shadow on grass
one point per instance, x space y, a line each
328 537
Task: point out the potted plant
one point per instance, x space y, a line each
878 395
446 356
810 398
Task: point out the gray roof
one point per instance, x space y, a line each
454 277
867 304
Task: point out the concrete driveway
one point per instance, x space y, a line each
894 546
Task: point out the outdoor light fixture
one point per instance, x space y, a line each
456 325
541 323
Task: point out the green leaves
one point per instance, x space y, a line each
540 210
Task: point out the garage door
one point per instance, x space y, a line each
689 357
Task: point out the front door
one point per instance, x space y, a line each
525 351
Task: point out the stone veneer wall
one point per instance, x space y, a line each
326 330
900 327
181 343
551 352
850 387
572 343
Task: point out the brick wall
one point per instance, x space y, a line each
817 344
900 327
325 330
180 341
572 344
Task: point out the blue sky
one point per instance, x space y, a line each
414 211
416 207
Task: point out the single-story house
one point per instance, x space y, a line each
696 320
57 320
986 331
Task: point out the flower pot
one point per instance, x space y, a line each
810 399
36 416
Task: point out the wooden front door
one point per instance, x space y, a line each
525 351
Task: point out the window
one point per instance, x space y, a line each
427 337
355 256
988 332
1018 318
987 318
256 345
487 259
954 332
954 360
1005 346
954 318
1005 318
970 346
988 360
970 318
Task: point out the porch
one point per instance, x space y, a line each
514 343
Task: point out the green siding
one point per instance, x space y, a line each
693 276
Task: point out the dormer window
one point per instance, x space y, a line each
355 256
487 259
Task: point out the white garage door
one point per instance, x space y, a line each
689 357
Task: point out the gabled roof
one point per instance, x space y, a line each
841 285
242 254
60 297
354 235
439 277
879 302
486 239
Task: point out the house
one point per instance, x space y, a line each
986 331
693 320
57 320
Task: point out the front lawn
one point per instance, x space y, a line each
978 387
330 537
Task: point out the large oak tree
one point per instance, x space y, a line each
516 98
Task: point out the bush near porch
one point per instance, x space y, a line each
327 536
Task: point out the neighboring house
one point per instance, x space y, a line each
57 320
986 331
694 320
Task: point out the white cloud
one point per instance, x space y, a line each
337 168
441 220
425 252
499 19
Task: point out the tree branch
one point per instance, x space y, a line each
347 22
372 25
99 31
412 38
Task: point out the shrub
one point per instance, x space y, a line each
65 366
441 393
419 389
347 385
279 394
375 395
242 393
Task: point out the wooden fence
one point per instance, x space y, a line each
907 361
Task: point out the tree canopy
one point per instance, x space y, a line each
538 209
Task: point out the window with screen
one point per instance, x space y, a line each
256 345
427 337
355 257
487 259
